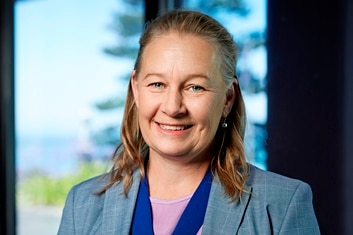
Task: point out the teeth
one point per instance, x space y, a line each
172 128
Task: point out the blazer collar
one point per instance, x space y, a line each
222 215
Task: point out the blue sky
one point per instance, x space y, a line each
60 67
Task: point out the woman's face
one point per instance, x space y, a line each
180 96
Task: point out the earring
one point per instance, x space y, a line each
224 123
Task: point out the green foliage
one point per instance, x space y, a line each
107 136
121 51
111 103
127 24
42 189
237 6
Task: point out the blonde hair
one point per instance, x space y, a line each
229 161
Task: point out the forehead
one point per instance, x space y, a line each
181 51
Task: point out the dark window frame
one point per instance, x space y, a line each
7 126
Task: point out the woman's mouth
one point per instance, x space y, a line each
173 127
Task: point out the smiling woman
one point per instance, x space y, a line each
182 152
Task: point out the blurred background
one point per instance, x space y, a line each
72 64
65 70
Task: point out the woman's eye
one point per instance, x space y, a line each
195 88
157 85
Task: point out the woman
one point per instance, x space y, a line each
180 168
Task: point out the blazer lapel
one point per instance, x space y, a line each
118 209
222 215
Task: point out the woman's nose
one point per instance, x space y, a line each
173 103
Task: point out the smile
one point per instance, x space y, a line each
173 128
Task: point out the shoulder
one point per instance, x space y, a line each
92 185
281 198
259 177
270 187
285 202
271 204
273 182
85 192
83 205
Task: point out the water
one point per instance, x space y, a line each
49 154
55 155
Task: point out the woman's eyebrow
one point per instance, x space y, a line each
188 76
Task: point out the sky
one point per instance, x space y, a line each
61 70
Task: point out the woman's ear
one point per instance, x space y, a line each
229 100
134 87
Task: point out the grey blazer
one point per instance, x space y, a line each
274 205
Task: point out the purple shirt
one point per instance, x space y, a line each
166 214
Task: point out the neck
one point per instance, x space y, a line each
172 179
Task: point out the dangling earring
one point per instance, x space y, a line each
224 123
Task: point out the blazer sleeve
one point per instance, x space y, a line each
67 226
300 216
67 219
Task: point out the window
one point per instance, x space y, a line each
72 63
70 76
